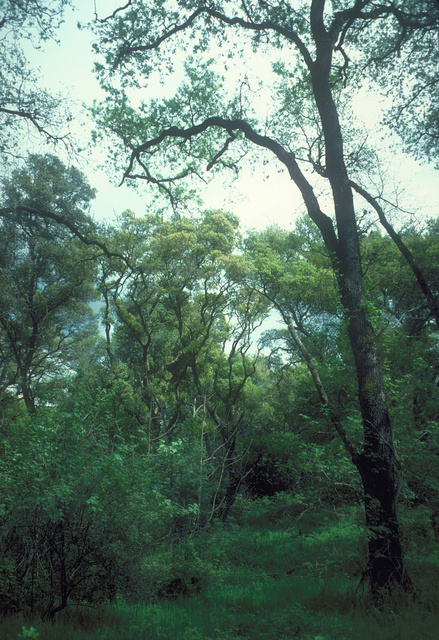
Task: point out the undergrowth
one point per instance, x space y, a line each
254 579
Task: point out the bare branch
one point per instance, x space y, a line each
33 118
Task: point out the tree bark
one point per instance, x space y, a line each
376 463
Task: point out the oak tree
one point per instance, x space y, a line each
46 276
221 114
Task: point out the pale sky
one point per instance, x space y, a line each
260 198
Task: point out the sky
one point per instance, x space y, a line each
259 197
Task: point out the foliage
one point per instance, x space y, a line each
137 451
178 420
185 473
182 315
413 112
81 506
306 121
26 110
63 487
46 277
264 582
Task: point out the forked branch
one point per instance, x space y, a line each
286 157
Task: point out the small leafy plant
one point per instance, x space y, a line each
29 633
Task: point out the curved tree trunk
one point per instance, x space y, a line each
376 463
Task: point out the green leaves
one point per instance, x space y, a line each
25 108
290 272
46 274
80 505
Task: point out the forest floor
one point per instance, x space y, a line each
263 576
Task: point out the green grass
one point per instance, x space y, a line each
261 582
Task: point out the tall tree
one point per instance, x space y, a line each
182 317
46 275
168 142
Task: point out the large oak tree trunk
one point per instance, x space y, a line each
376 463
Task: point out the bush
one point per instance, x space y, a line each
79 510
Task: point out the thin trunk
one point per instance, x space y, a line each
108 328
26 392
430 298
323 396
233 483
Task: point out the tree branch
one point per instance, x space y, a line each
431 299
265 25
324 400
69 225
33 118
287 158
115 12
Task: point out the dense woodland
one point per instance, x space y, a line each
208 432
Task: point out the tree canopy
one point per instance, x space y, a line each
46 277
27 110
